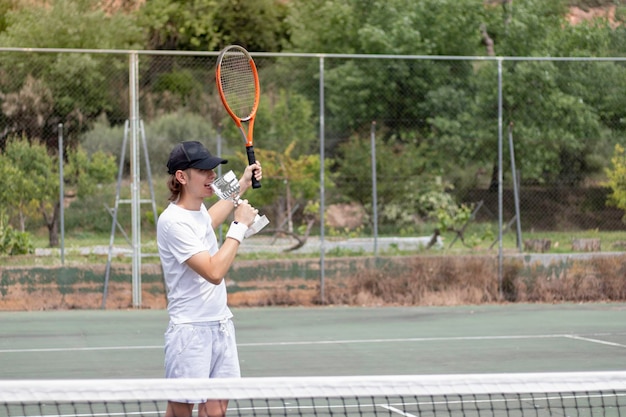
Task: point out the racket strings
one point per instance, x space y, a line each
238 84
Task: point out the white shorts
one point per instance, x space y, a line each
201 350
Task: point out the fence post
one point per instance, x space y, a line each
322 196
135 169
374 187
500 191
61 194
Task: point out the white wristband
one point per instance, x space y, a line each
237 231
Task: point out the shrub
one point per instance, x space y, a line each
13 242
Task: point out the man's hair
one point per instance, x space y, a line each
175 188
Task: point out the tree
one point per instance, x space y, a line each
82 86
28 110
564 114
258 25
286 131
30 180
171 25
202 25
284 119
525 28
294 179
386 90
13 242
560 131
85 26
617 179
404 174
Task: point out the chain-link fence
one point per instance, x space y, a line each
480 148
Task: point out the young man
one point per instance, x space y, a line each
200 338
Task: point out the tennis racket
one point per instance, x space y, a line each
238 86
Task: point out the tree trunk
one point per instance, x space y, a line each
493 184
487 41
52 225
289 214
22 221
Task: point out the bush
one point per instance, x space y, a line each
161 135
617 179
13 242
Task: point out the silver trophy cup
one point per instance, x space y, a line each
227 188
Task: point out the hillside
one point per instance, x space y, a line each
578 15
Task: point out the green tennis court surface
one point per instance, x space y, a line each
327 341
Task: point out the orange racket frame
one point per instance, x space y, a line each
243 76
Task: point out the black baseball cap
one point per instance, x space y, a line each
192 154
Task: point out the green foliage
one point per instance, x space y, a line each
286 132
566 116
13 242
85 26
284 119
558 151
86 173
411 190
31 179
290 181
557 109
87 214
161 134
256 25
74 88
525 28
171 24
27 109
565 149
404 173
386 90
617 179
149 216
78 85
345 232
212 24
166 131
437 27
8 187
32 176
453 217
103 137
5 7
180 83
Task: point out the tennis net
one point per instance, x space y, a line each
524 394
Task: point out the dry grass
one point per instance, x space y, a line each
424 281
472 280
444 281
399 281
598 279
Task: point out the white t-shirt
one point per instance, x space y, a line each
181 234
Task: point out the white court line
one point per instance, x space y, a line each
78 349
333 342
602 342
417 339
395 410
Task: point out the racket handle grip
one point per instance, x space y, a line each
252 160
